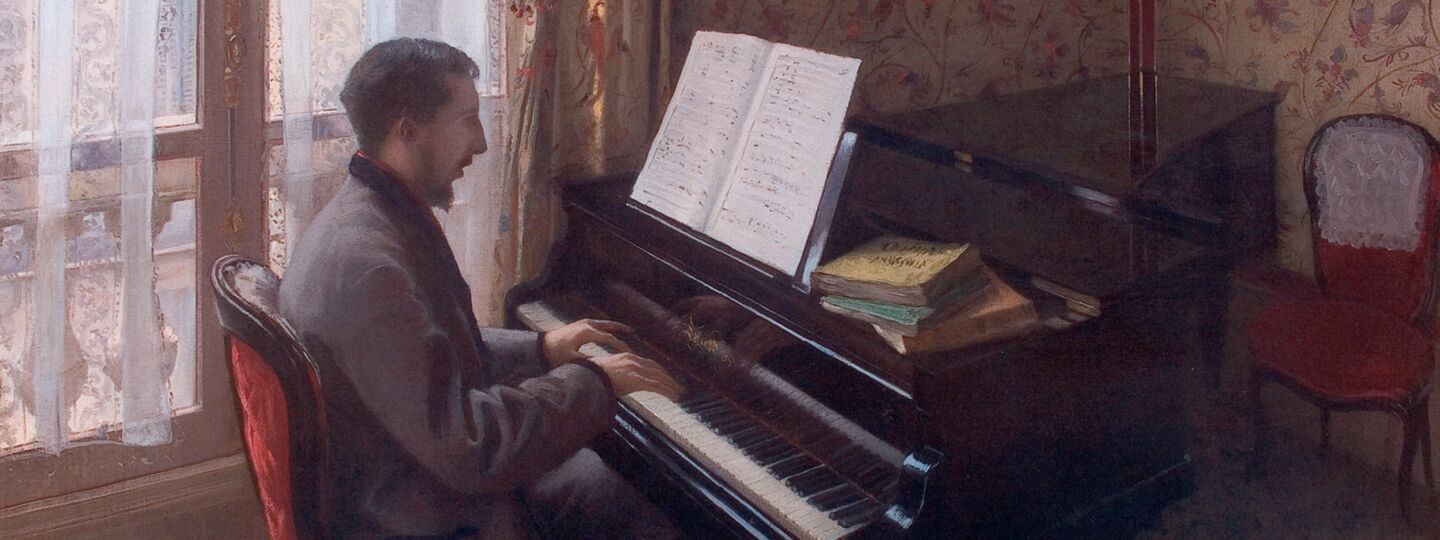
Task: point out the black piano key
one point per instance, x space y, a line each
863 511
707 407
853 462
891 487
689 403
787 469
877 479
787 416
826 446
769 451
771 407
841 496
795 480
713 414
727 421
696 395
807 434
753 397
750 438
814 481
719 411
781 453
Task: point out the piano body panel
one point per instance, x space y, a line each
1066 431
1043 431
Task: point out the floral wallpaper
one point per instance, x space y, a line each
918 53
1323 58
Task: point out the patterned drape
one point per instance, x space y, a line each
589 83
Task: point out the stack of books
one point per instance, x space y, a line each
923 296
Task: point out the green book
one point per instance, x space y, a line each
907 320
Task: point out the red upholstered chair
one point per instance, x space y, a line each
278 390
1364 342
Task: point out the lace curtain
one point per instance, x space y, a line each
310 162
92 336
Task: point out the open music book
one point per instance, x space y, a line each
744 149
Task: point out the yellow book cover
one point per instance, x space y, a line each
897 270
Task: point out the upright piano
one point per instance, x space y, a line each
801 423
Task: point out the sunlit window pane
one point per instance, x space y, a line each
96 47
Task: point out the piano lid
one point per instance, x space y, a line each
1077 132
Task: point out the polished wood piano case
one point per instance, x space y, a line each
1076 429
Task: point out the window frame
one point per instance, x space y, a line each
229 218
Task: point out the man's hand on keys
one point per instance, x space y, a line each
563 344
630 372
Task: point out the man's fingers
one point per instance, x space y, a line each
609 326
630 373
609 340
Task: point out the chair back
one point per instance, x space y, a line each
278 390
1371 182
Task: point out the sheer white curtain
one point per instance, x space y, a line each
98 362
323 35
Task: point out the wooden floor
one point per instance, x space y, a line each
1301 493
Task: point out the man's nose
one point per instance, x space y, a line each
480 146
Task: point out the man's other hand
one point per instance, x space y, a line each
630 372
563 344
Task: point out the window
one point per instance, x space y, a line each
78 201
212 157
318 134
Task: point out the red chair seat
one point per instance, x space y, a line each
1342 350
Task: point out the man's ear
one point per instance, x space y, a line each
406 129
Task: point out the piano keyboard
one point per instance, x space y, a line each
827 492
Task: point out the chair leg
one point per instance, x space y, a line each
1261 454
1324 430
1410 421
1422 414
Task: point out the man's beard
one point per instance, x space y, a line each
439 188
441 196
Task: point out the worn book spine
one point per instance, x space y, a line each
908 320
1009 315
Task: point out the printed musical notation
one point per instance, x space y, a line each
755 125
693 145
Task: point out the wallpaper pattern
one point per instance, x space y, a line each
918 53
1324 58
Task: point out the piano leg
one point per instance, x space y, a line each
1212 306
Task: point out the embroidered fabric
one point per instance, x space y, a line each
1370 184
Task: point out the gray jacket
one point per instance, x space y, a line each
433 423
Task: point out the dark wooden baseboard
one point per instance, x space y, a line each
213 499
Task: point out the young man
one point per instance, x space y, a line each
439 427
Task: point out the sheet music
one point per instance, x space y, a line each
689 157
775 186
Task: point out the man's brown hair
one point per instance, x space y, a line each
397 78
